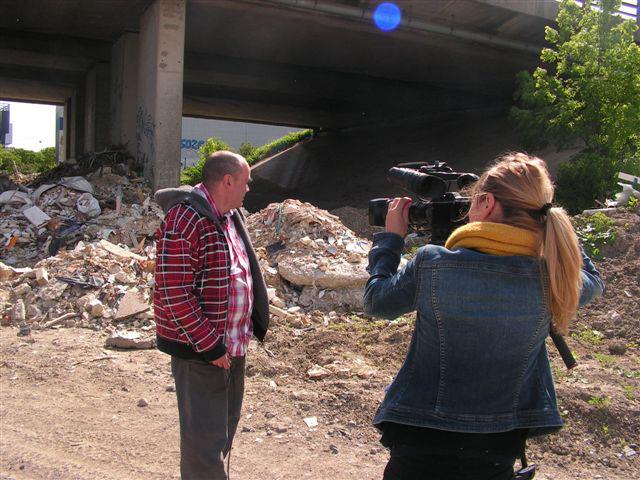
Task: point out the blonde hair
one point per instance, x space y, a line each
522 185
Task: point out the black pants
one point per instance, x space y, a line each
409 462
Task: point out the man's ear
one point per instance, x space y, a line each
226 180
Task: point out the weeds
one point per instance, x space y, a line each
629 391
599 402
605 360
278 145
594 232
591 337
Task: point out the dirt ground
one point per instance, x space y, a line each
69 408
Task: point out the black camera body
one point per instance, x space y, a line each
440 208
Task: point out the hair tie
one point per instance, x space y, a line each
545 209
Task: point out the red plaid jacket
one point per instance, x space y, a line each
192 282
191 292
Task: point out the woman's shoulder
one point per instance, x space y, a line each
436 255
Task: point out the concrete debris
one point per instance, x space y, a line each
130 340
60 213
316 372
36 216
42 277
78 288
311 422
97 272
131 304
309 248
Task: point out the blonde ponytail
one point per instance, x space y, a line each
522 185
564 264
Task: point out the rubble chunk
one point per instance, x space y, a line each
42 276
131 304
129 339
36 216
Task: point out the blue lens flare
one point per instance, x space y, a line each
387 16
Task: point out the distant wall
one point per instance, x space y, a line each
195 131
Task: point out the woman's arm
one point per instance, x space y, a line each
389 293
592 284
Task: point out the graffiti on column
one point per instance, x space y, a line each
145 136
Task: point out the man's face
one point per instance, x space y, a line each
239 186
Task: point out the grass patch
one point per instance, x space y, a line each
591 337
605 360
278 145
594 232
629 391
599 402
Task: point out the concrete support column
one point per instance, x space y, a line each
160 77
61 139
124 89
96 116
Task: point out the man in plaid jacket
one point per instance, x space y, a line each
209 298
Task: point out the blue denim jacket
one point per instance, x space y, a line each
477 361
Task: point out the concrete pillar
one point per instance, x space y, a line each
160 77
61 139
96 117
124 88
69 128
78 128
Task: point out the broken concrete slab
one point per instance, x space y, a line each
36 216
131 304
299 271
119 251
129 339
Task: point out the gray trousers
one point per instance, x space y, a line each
209 403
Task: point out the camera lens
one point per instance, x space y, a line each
423 185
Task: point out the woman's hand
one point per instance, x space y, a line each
398 216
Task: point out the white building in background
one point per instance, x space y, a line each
195 131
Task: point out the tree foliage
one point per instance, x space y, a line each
585 93
27 161
193 175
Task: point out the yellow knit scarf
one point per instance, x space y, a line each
494 239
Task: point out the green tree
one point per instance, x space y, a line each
48 158
27 161
246 149
586 93
9 161
193 175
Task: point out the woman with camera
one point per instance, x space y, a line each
476 381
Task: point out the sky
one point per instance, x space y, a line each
33 125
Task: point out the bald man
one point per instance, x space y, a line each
209 298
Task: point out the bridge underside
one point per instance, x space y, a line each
126 70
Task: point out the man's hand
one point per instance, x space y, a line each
223 362
398 216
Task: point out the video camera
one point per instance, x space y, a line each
440 208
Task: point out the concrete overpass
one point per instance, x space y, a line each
127 70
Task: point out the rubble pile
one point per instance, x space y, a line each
309 257
98 286
36 223
310 260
